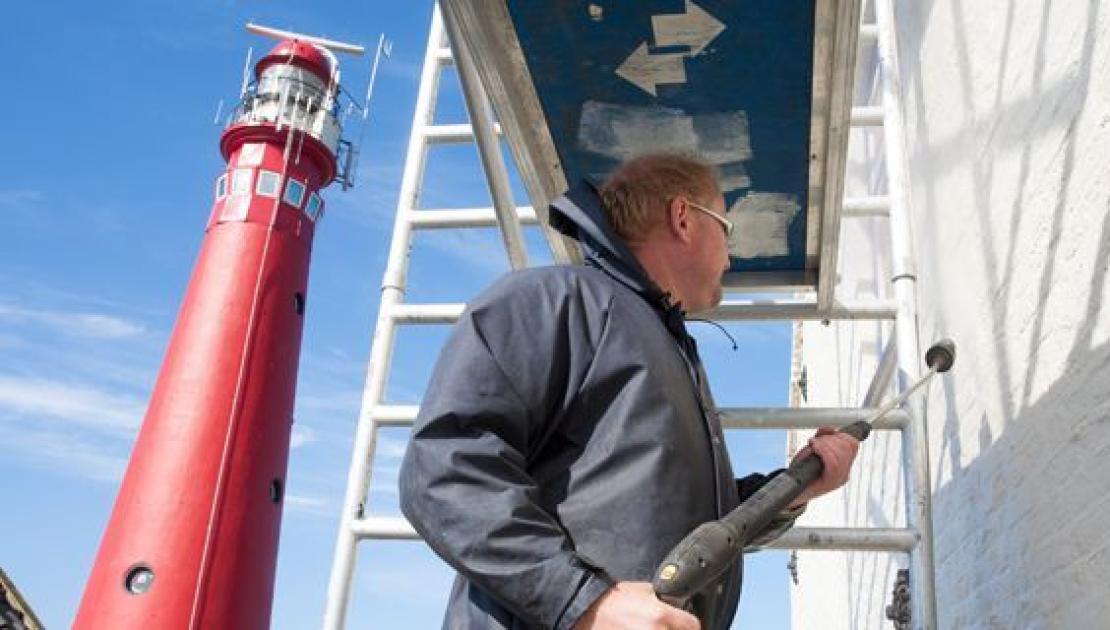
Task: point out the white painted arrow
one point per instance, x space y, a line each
694 28
646 71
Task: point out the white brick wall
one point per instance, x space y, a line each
1007 108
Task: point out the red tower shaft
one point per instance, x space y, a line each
193 537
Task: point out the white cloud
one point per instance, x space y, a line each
301 435
93 325
310 505
67 453
80 404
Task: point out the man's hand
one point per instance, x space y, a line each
837 451
634 606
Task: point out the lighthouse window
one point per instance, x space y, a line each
268 183
313 207
241 181
294 193
221 186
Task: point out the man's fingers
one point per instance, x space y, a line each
677 619
837 454
828 454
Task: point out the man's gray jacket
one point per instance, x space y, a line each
568 440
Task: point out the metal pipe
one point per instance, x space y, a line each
395 415
385 528
806 417
489 148
445 56
872 206
731 310
452 134
867 116
468 217
393 287
816 538
915 440
763 310
426 313
883 374
731 417
846 539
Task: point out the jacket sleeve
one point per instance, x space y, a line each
784 520
464 480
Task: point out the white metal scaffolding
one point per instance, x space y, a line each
901 360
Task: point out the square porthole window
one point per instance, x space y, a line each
268 183
313 207
294 193
241 181
221 186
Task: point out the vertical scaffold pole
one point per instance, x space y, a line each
915 443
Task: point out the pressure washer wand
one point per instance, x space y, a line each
710 550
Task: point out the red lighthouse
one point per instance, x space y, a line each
192 541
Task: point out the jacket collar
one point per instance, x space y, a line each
579 215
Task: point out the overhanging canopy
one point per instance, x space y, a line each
760 88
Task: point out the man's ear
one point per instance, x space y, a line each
678 219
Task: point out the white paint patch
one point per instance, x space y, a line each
762 220
621 132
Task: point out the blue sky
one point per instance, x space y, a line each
105 187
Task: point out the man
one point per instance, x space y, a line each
569 440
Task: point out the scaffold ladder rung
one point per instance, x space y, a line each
731 417
823 538
467 217
451 134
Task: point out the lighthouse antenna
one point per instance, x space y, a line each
385 47
246 73
330 44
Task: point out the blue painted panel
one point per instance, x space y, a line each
731 82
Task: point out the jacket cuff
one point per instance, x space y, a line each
594 584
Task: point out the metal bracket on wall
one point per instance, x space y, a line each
899 609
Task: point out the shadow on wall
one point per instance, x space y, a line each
1030 508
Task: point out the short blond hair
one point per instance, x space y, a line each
636 195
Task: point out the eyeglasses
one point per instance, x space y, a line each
725 223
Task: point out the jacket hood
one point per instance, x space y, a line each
579 215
